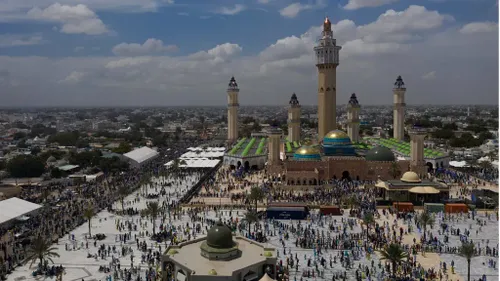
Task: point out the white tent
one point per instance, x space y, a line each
13 208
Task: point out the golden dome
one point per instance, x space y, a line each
212 272
410 177
337 134
307 150
268 254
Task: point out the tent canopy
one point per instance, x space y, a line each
266 278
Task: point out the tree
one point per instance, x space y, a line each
41 250
56 173
88 214
395 171
25 166
123 192
256 195
426 219
153 209
368 220
123 148
395 254
250 217
467 251
65 138
35 150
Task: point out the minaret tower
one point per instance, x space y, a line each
294 119
327 60
274 146
353 108
417 162
399 109
232 111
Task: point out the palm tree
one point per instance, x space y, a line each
426 219
395 254
41 250
250 217
368 220
395 171
89 214
467 251
256 195
123 192
153 209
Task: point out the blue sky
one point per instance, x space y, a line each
84 39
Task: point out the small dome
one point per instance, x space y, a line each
410 177
307 152
51 159
212 272
220 237
268 254
173 252
380 153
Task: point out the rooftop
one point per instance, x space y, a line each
247 147
141 154
189 255
403 147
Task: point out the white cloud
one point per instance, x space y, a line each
184 14
230 11
15 40
150 46
429 76
73 78
126 62
13 7
478 27
292 10
78 49
357 4
415 18
263 1
369 65
74 19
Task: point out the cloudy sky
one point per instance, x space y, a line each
183 52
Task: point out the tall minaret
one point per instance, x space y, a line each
417 162
327 60
399 109
294 119
232 111
353 108
274 135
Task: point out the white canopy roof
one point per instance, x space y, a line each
266 278
14 208
141 154
458 164
196 163
201 154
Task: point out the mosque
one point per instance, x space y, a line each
334 154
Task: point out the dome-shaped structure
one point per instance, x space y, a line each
411 177
307 152
212 272
380 153
338 143
220 236
51 159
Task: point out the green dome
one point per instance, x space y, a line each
220 237
380 153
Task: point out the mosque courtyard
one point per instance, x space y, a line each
82 263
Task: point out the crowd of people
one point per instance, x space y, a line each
341 247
